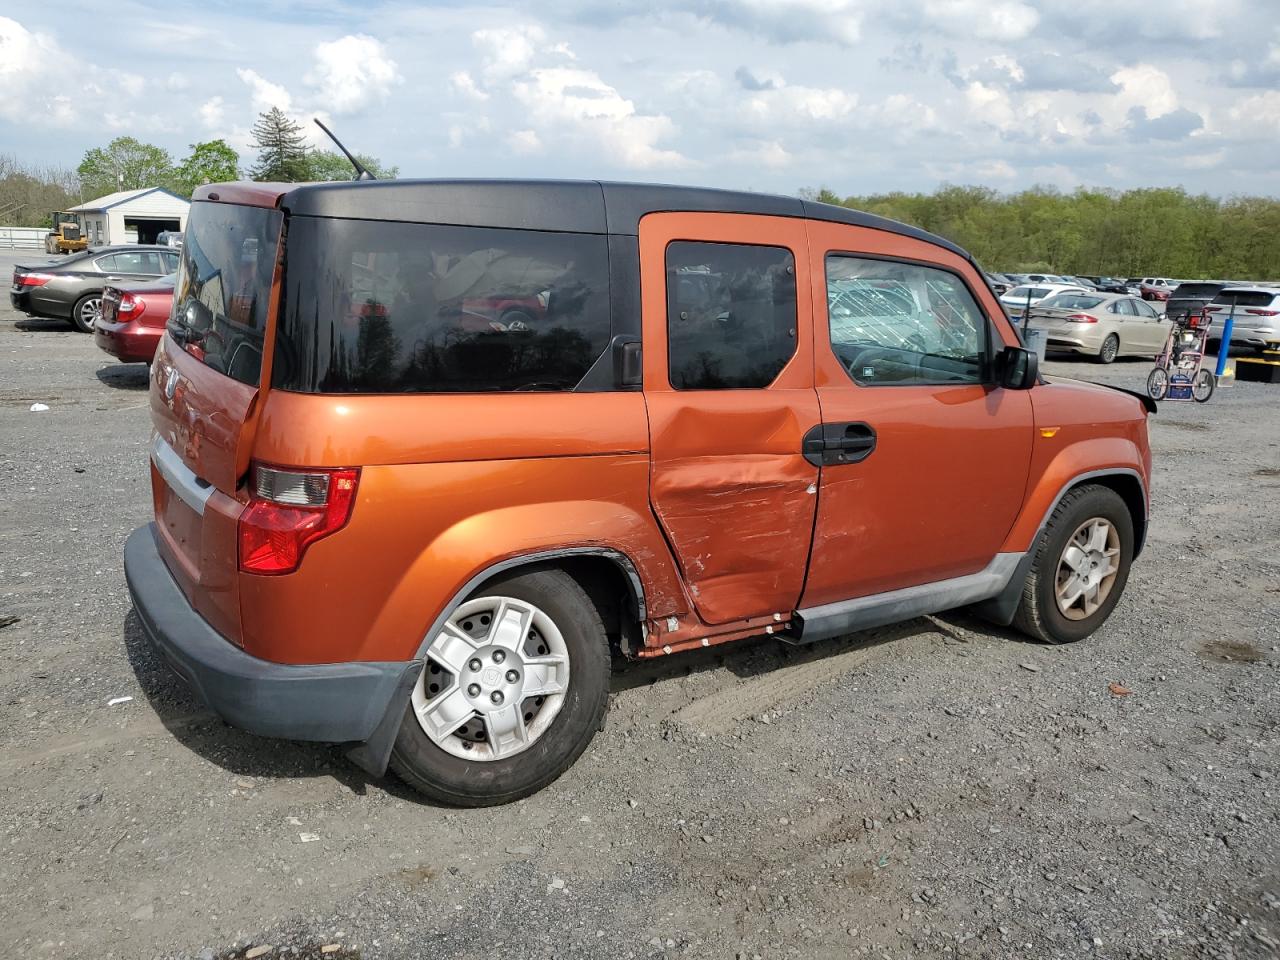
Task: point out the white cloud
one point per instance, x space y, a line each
351 72
767 153
1145 86
177 81
24 72
789 104
212 112
462 82
1003 20
790 21
507 51
264 93
568 103
525 142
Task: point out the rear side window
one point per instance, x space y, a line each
731 314
900 323
1245 298
378 307
223 290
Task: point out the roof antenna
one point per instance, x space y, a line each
361 172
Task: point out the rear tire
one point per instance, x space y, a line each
1110 349
87 309
1202 386
505 770
1044 612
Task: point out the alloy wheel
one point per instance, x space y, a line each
90 311
495 678
1087 568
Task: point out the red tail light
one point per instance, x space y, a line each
33 279
1081 318
1261 313
290 510
131 307
1212 309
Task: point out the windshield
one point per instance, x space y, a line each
223 288
1072 301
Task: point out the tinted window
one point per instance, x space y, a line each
731 314
1144 309
168 262
1125 308
1198 291
223 290
1245 298
376 307
898 323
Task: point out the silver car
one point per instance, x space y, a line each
1100 325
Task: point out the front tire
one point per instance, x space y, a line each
1080 568
515 686
1158 383
1202 386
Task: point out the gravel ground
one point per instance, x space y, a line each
937 789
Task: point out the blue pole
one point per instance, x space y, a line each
1224 348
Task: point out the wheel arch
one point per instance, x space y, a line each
1125 481
599 570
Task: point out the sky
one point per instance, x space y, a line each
859 96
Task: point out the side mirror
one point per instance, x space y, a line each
628 372
1019 368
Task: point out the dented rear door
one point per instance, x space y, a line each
728 380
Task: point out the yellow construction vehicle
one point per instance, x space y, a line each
66 235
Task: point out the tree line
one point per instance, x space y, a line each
30 194
1149 232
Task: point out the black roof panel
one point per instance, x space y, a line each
574 206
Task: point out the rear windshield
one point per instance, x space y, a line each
1245 298
223 290
1072 301
1196 291
378 307
1023 292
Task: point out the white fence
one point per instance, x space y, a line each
22 238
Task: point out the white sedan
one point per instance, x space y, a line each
1031 294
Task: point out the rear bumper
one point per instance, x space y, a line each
334 703
20 300
127 342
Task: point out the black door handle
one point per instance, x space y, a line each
831 444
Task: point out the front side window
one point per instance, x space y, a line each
379 307
223 290
901 323
731 315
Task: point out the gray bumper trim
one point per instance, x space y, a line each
334 703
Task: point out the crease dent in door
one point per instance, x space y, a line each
757 501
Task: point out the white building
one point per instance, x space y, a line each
132 216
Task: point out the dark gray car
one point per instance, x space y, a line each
71 288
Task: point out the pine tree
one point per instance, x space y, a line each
282 150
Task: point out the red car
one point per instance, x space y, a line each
133 319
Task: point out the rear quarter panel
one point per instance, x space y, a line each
449 486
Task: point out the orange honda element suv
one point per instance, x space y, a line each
426 451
